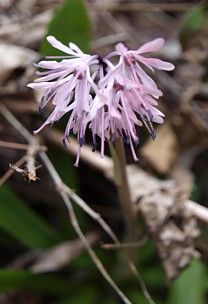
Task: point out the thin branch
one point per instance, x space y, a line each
13 145
91 252
96 216
18 126
140 243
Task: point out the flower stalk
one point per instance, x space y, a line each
121 181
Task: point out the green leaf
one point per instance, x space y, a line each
154 276
24 224
69 24
190 286
87 296
193 21
27 281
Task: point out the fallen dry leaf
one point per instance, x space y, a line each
161 153
62 254
14 57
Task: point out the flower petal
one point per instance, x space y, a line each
58 45
158 64
41 85
111 74
146 79
50 64
52 75
75 48
151 46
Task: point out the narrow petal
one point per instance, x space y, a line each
158 119
41 85
121 48
158 64
58 45
66 88
111 74
97 105
151 46
75 48
146 79
52 75
41 127
60 95
154 92
50 64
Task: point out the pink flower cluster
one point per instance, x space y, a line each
110 99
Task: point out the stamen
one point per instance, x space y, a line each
104 65
128 139
78 156
94 146
41 110
41 102
102 133
136 142
112 137
64 143
153 134
81 141
42 58
150 115
119 132
133 151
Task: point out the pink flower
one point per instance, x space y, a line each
129 91
109 99
67 85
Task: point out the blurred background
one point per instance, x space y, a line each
42 260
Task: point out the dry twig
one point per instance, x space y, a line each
12 145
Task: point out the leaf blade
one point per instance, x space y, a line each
24 224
